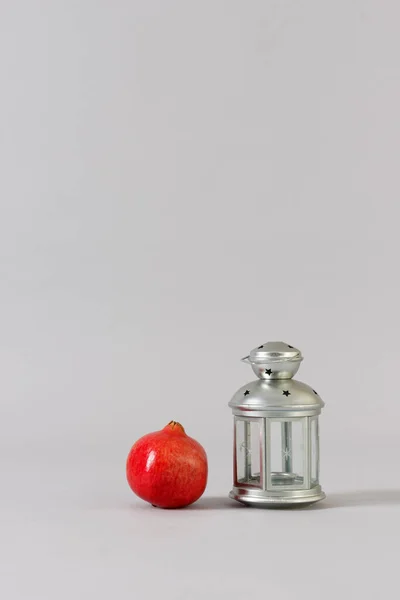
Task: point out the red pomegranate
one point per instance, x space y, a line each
167 468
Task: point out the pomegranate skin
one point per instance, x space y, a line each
167 468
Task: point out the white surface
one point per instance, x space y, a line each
180 181
76 533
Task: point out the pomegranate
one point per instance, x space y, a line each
167 468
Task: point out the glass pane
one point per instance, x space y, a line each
287 453
275 444
248 452
255 439
314 451
298 449
240 454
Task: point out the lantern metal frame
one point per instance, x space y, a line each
277 398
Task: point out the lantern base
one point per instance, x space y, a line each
297 499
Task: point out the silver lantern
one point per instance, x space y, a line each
276 437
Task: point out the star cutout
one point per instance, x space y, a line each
286 453
286 393
289 346
268 371
246 393
259 347
316 393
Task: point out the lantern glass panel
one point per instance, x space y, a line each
248 452
314 451
286 453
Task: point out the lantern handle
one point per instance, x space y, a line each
246 359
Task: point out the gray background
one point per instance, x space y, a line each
180 182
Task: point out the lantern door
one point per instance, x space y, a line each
249 438
292 453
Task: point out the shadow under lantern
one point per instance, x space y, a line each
276 433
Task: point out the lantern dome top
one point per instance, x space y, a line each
274 360
274 352
275 391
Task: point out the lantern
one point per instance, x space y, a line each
276 434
